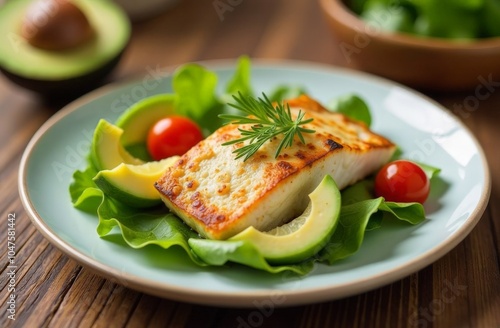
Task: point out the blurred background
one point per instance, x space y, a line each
169 33
442 46
200 30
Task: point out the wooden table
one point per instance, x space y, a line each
50 286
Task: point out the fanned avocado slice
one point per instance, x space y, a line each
106 150
134 184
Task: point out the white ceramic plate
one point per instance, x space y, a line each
425 131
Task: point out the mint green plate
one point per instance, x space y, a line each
425 131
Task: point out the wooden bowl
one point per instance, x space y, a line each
425 63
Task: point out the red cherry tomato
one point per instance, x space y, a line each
402 181
173 135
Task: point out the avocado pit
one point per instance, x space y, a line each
56 25
61 49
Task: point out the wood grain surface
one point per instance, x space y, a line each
54 291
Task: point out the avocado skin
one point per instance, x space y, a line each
66 89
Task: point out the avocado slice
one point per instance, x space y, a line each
106 150
304 236
134 184
138 119
69 72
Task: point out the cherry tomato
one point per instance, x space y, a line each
402 181
173 135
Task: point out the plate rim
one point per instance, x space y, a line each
249 298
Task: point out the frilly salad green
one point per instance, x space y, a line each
103 189
449 19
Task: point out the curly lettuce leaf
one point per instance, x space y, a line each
195 88
81 181
84 193
357 218
141 228
196 92
220 252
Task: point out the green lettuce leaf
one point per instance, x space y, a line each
195 87
84 193
240 82
89 200
357 218
219 252
352 106
350 231
283 92
81 181
430 171
412 213
142 228
358 192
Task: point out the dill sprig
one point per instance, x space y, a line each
267 121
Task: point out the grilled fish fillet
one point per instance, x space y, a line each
219 196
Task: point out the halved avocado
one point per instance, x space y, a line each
69 72
134 184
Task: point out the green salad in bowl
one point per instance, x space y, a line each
449 19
